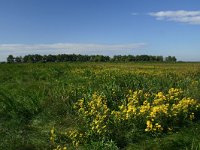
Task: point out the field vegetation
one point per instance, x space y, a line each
100 105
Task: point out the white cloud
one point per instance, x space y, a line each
68 48
189 17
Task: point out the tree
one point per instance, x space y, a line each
18 59
159 58
28 59
10 59
88 58
170 59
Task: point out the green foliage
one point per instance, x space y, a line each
36 97
88 58
24 105
170 59
110 145
194 146
153 113
10 59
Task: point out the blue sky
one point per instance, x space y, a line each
108 27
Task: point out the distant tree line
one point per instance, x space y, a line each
88 58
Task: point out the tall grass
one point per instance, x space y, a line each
36 97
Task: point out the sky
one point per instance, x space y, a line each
105 27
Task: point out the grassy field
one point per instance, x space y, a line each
100 106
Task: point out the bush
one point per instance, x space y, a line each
152 113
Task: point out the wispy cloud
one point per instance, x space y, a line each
68 48
134 14
189 17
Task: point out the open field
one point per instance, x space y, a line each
100 106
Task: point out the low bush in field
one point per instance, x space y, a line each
150 113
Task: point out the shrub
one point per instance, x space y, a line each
152 113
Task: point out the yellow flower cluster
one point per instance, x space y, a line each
52 140
156 112
185 106
143 109
175 92
95 114
170 107
128 110
60 148
158 109
151 127
75 136
52 136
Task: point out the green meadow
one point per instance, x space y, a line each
94 106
